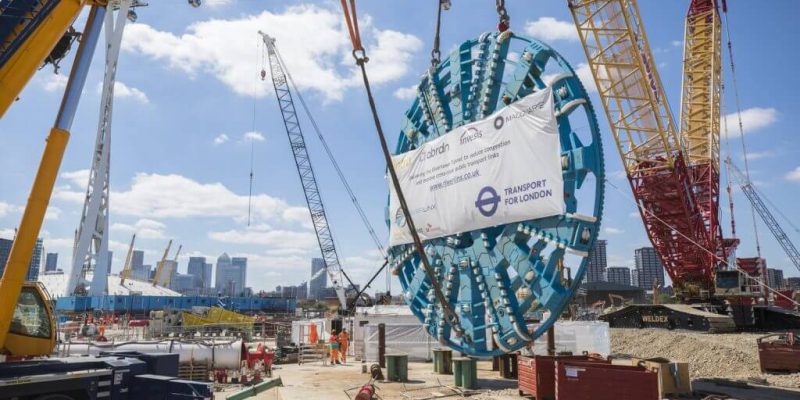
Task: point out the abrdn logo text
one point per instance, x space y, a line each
469 135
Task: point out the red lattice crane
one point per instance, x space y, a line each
673 170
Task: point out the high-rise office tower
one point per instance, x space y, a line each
620 275
319 278
596 268
649 267
51 262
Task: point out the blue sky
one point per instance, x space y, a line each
185 104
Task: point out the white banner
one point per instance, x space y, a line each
505 168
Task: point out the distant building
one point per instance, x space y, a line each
139 271
299 292
620 275
775 278
231 275
201 271
596 268
33 266
240 263
635 277
183 283
208 283
51 262
319 279
168 272
793 283
649 267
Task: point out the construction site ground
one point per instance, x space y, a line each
723 364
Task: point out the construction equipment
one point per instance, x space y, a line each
126 269
499 278
215 319
673 171
758 204
159 275
15 295
29 32
168 276
280 83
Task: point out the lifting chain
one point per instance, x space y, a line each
436 53
504 22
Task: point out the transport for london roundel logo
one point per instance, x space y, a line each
498 122
399 217
487 201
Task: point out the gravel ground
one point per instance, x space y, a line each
729 355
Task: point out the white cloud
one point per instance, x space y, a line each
635 214
321 62
298 214
7 209
181 197
221 138
79 178
676 43
143 228
753 119
52 213
612 231
585 75
7 233
794 175
217 3
253 136
54 82
406 93
756 155
273 238
550 29
123 91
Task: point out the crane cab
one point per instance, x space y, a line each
32 332
728 283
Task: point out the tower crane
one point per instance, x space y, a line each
280 83
762 210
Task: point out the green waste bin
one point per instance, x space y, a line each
397 367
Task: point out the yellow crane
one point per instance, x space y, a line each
160 266
126 269
27 326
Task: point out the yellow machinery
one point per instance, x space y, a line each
219 318
29 32
33 30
